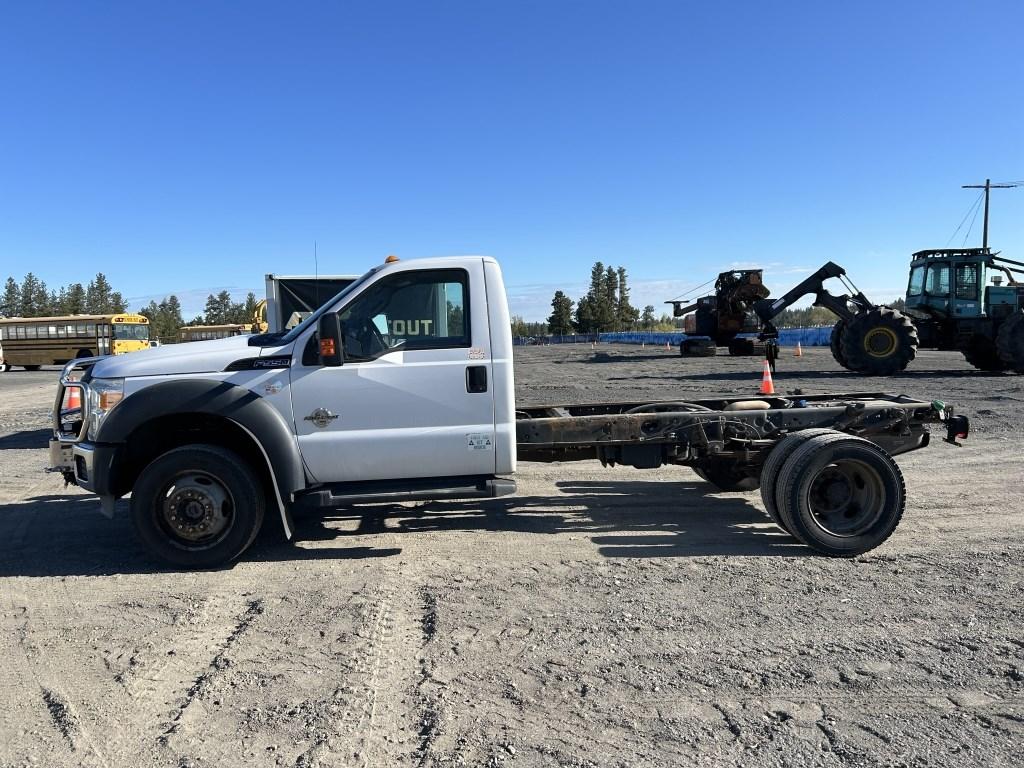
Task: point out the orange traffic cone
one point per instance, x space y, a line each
73 399
767 387
799 352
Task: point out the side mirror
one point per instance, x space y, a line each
332 353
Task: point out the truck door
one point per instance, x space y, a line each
414 396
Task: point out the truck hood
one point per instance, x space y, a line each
176 359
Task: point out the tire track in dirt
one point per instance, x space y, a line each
384 719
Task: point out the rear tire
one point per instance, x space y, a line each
1010 341
879 342
198 506
31 367
836 342
773 464
83 353
983 355
840 495
4 367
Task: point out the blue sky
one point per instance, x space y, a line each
185 147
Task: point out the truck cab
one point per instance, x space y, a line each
414 391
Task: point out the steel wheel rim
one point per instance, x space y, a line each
880 342
196 509
845 498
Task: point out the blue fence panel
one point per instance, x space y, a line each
788 337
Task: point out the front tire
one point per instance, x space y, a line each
840 495
836 342
879 342
198 506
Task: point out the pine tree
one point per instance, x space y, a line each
98 296
585 315
626 313
74 302
647 321
10 306
29 305
560 322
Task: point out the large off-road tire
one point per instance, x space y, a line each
983 355
198 506
840 495
1010 341
773 465
726 476
879 342
836 342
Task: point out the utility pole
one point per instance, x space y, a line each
987 186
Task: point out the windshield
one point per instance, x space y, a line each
314 318
133 331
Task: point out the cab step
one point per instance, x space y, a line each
416 489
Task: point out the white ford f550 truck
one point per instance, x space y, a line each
401 388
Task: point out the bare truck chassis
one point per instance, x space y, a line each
823 463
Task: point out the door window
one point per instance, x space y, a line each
409 310
938 280
967 282
916 281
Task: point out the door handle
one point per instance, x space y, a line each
476 378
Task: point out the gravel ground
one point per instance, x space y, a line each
601 617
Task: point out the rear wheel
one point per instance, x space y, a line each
83 353
840 495
836 342
32 367
199 506
773 464
1010 342
879 342
983 355
4 367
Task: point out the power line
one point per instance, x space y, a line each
973 207
988 186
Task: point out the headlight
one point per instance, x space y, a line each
104 394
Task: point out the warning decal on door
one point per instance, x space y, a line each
480 442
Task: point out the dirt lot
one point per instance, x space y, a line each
598 618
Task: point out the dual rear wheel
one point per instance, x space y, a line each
839 494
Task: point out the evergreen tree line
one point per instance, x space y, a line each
605 307
165 317
32 298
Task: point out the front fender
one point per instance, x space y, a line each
263 423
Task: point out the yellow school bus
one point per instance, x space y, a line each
32 342
205 332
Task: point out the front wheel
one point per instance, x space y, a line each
879 342
198 506
835 342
